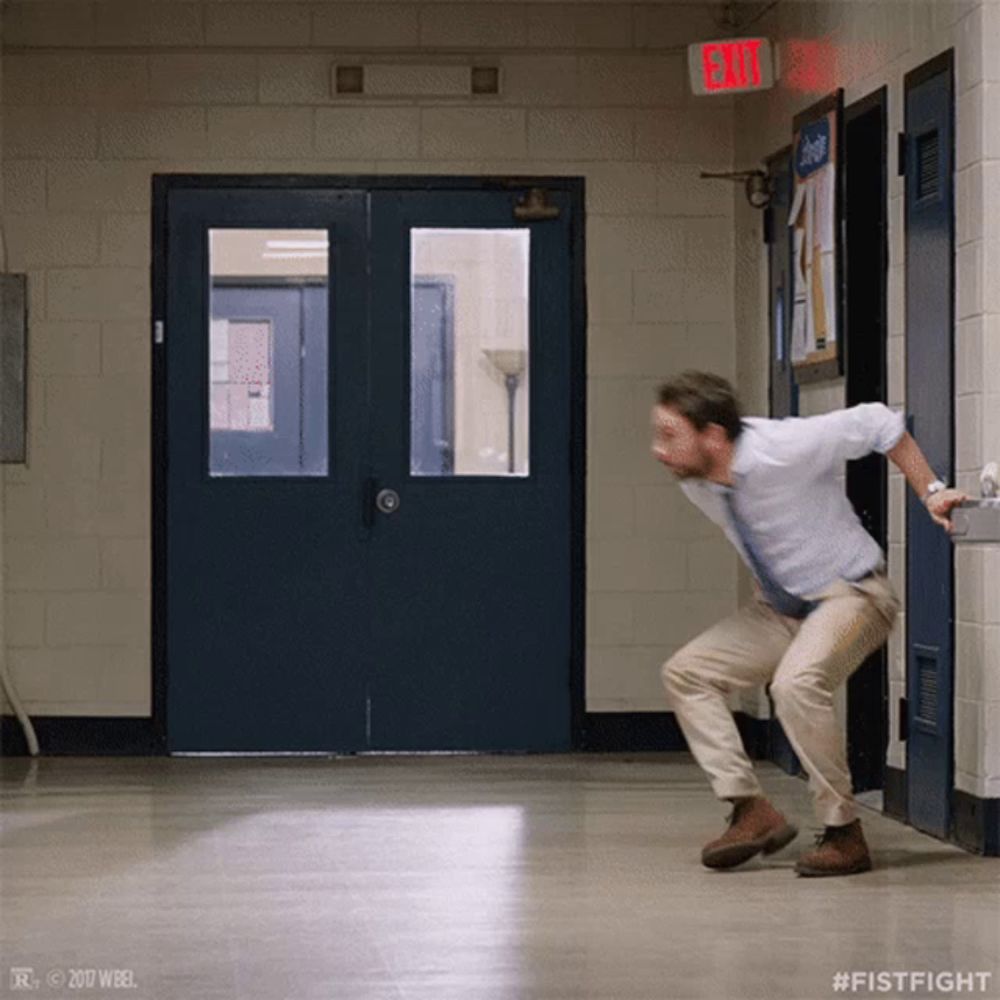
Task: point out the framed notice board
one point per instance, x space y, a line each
816 220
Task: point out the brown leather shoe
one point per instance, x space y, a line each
754 826
840 850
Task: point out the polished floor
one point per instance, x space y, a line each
450 878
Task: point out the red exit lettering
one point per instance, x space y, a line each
731 65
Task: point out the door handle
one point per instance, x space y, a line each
387 501
375 500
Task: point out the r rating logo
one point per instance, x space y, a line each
22 977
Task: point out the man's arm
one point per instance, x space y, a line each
908 457
822 444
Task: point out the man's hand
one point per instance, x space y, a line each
939 506
912 463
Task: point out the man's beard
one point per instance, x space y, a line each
700 471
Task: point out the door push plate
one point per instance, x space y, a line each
977 521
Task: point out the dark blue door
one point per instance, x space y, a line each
471 596
265 601
367 520
930 249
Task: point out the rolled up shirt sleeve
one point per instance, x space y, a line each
871 427
827 441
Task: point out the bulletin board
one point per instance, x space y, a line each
816 220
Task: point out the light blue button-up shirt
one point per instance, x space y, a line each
786 490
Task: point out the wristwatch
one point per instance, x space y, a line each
936 487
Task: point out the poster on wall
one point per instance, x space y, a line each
815 219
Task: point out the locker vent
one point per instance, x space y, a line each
927 686
928 165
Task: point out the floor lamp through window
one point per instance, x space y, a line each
510 364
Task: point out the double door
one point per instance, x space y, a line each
364 515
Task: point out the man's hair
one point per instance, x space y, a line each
704 399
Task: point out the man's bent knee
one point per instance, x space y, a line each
680 674
800 691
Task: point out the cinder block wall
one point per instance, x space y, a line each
100 95
861 47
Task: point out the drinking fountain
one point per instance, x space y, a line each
979 520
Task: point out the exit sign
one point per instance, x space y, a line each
734 66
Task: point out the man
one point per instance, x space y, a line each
823 600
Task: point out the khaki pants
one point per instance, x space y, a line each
805 662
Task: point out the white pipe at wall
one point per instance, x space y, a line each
5 681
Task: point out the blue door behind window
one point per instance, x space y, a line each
433 384
929 394
367 517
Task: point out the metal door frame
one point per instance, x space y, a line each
861 684
779 750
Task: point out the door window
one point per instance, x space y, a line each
267 352
469 352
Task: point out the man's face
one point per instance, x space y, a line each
678 445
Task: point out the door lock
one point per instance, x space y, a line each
387 501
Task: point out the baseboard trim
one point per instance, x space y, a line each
81 736
109 736
629 732
975 823
620 732
894 794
